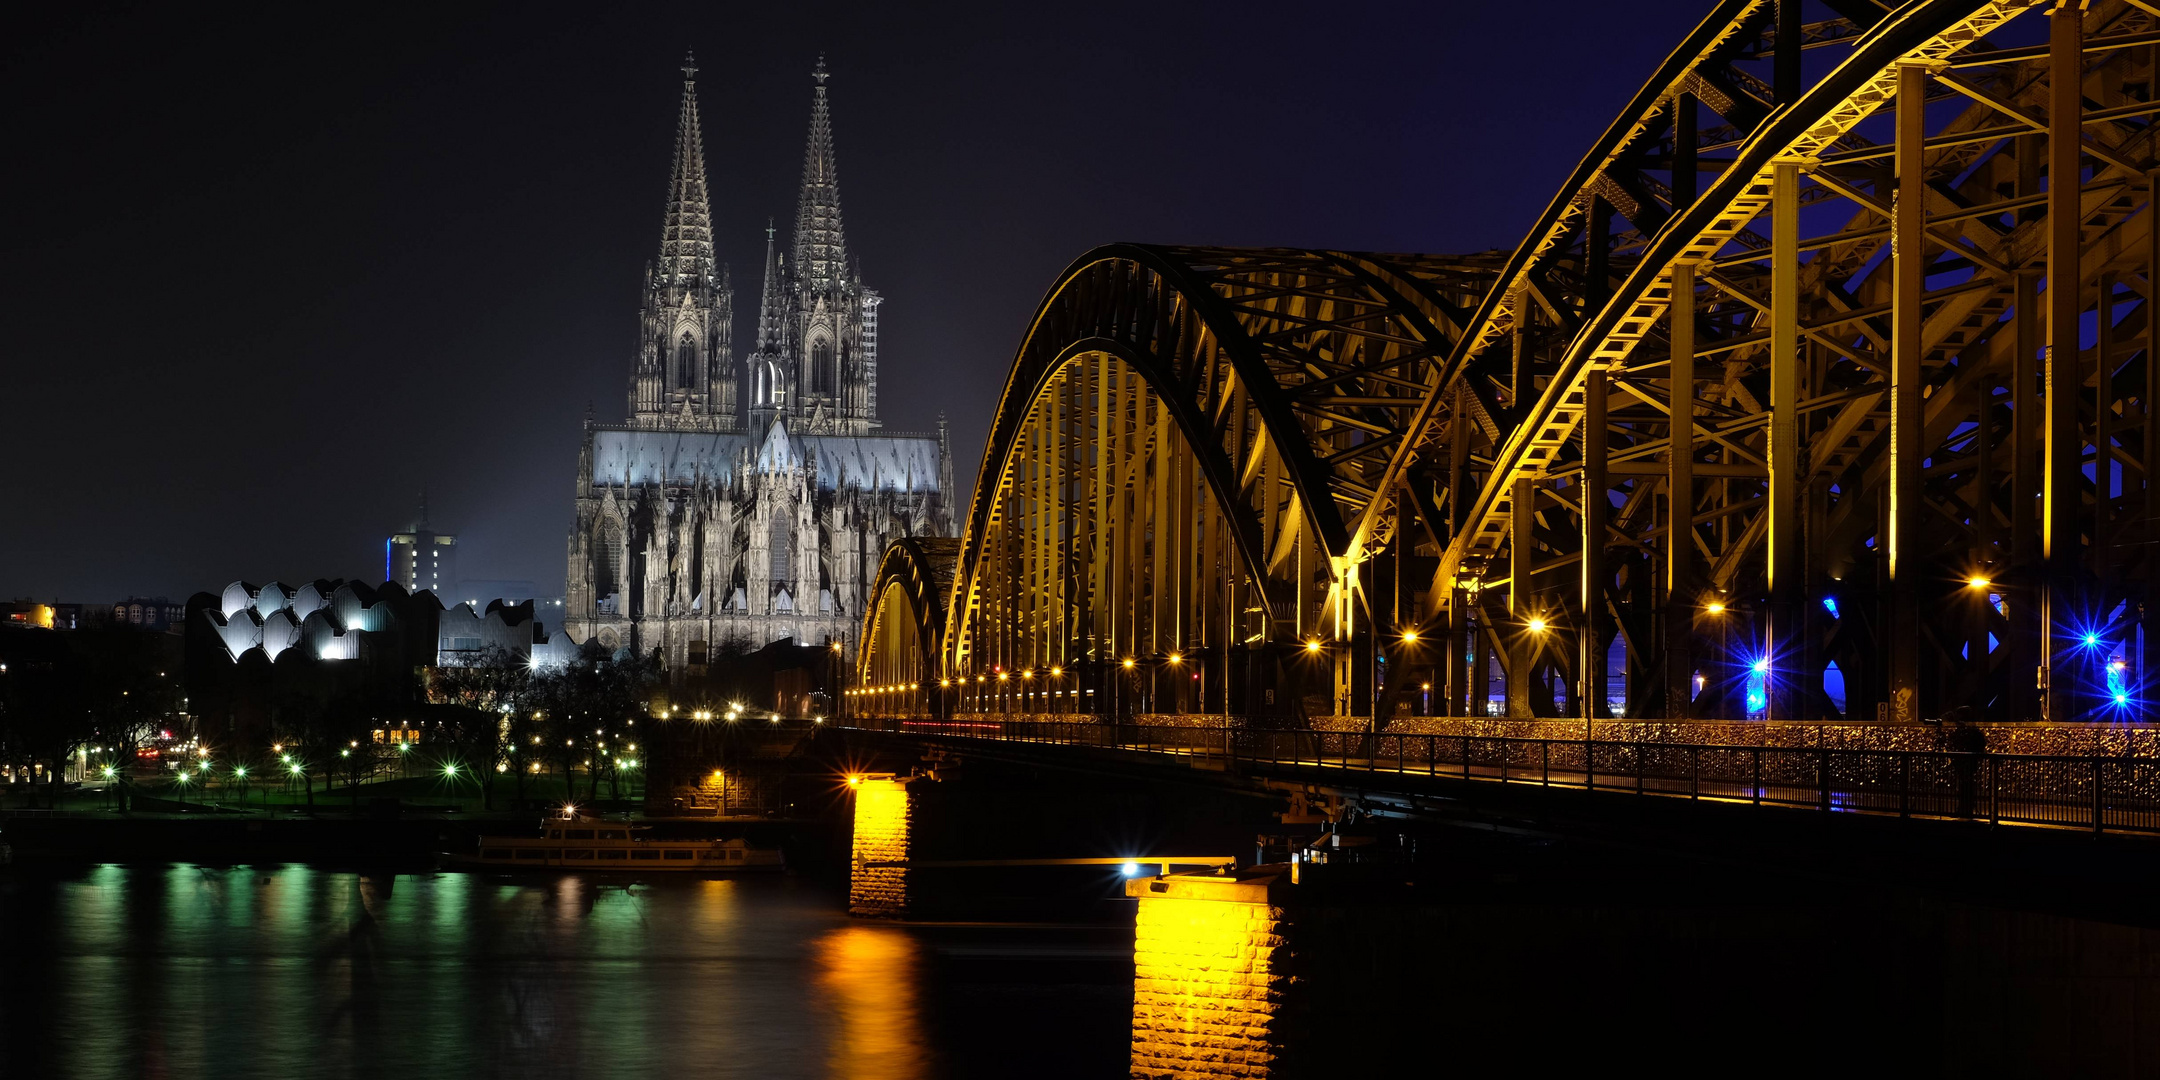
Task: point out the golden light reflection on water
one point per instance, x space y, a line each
869 976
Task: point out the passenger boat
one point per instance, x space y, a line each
584 843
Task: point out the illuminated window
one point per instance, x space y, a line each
686 361
822 376
783 538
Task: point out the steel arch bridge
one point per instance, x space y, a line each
1822 386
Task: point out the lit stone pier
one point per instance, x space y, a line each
1210 985
884 814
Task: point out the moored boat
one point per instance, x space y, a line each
585 843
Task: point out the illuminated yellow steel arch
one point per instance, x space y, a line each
897 659
1182 448
1863 441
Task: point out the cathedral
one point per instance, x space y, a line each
747 499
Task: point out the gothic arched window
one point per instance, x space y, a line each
822 378
610 564
686 362
783 543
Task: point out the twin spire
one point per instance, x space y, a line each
820 247
686 244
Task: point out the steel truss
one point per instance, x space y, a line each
1912 257
1885 467
898 656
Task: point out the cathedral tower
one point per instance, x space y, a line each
685 375
700 532
835 361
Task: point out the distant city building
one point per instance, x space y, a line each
722 519
333 620
421 558
149 613
478 591
253 650
28 614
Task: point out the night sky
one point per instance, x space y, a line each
264 279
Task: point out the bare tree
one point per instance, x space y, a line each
475 704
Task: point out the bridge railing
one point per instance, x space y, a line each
2097 793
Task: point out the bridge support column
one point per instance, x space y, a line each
2149 608
2026 637
2062 451
1902 545
1680 602
1590 669
1480 684
884 821
1521 654
1781 644
1210 978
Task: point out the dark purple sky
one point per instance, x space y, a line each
263 279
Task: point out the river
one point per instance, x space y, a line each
292 970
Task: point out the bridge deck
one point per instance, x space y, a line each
2094 794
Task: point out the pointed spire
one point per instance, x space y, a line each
686 248
820 246
772 306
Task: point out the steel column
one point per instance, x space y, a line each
1903 545
1680 599
1590 669
2026 641
1787 512
2062 450
1522 646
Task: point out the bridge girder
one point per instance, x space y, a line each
897 657
1190 431
1882 397
1868 399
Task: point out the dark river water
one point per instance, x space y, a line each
295 971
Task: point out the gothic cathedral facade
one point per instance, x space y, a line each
747 500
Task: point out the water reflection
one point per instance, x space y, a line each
293 971
870 975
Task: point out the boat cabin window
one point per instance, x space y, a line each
648 853
575 853
614 836
554 834
580 834
531 853
680 854
613 853
737 854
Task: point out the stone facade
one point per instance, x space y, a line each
1209 984
884 816
708 524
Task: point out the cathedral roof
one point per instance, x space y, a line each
906 463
